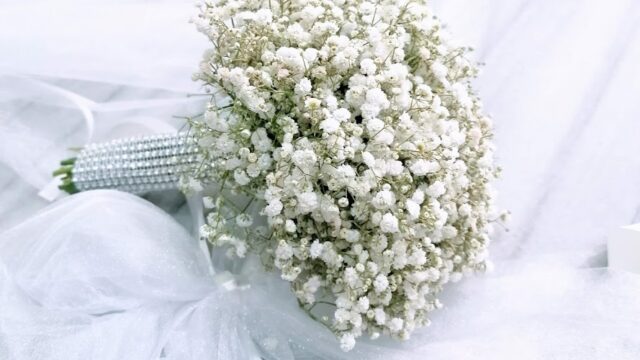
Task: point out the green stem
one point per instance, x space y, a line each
65 172
68 186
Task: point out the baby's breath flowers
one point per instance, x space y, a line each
352 127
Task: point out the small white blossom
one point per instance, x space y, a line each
316 249
274 207
284 251
263 16
310 288
436 189
375 125
383 199
418 197
310 55
303 87
378 98
208 202
351 236
347 342
413 209
423 167
290 273
312 103
341 115
290 226
381 283
291 58
241 177
368 67
394 167
330 125
464 210
417 258
395 325
439 71
304 159
307 202
449 232
350 276
389 223
362 305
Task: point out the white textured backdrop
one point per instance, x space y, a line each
561 81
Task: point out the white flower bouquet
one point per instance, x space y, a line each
347 148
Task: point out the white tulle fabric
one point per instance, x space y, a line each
106 275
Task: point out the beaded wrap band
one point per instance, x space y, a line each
134 165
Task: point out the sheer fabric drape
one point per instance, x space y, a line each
106 275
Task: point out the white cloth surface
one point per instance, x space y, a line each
105 275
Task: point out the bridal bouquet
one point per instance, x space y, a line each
348 151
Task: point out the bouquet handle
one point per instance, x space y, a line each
134 165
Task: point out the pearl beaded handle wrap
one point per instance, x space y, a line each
134 165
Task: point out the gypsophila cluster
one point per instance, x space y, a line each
352 126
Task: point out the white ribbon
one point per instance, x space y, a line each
35 89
